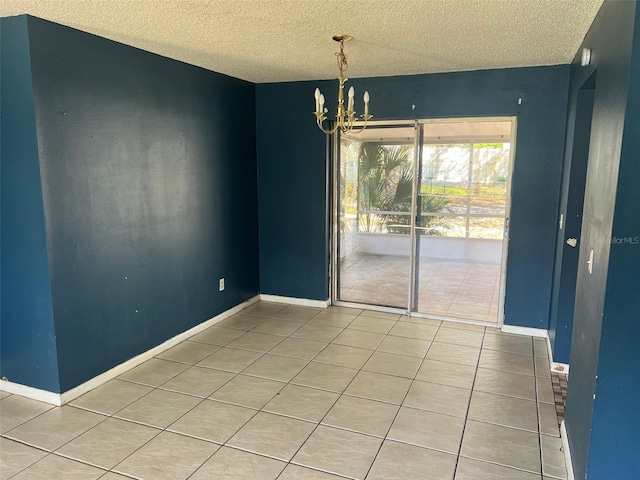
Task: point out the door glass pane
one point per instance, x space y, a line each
462 202
489 178
375 197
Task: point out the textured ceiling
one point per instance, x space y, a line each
286 40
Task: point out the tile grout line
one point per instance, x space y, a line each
225 444
113 416
539 416
466 417
190 410
261 409
386 435
55 451
108 416
164 429
319 423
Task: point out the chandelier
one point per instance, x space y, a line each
344 118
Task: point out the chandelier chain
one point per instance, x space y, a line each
345 113
342 59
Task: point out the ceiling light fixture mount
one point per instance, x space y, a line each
345 119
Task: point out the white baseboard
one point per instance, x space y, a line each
556 367
531 332
549 350
303 302
66 397
30 392
567 452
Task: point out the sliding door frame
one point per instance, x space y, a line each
418 126
335 220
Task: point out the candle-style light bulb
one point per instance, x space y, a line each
366 103
317 96
321 103
351 95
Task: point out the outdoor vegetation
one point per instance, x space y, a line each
377 179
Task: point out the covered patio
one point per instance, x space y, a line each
460 289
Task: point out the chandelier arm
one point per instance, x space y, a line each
348 128
355 132
324 130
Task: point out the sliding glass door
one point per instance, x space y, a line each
375 173
422 217
461 217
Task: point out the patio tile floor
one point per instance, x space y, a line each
447 288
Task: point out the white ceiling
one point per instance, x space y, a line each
288 40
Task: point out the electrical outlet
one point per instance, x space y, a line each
221 284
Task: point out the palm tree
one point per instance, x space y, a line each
385 181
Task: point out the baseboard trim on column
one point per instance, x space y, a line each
302 302
531 332
31 392
556 367
567 452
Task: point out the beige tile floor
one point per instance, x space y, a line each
457 289
296 393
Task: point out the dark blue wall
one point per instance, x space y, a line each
603 396
616 418
149 184
571 204
27 338
293 188
293 192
